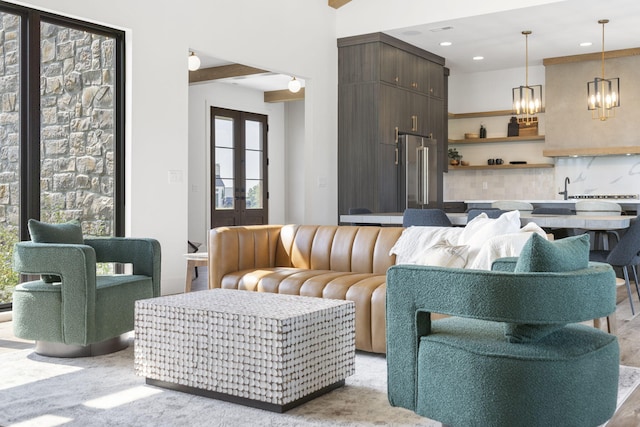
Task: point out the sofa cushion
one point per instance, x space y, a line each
539 255
68 232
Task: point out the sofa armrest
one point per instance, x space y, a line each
143 253
239 248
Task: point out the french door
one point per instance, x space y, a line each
239 194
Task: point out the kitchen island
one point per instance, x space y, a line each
629 205
586 222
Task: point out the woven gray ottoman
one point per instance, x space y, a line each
265 350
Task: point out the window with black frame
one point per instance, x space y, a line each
61 128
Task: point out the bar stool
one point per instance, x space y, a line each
600 208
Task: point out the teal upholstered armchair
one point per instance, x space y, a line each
72 311
511 354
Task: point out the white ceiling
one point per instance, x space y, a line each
558 29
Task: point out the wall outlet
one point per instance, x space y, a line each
485 185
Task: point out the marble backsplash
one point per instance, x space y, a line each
588 175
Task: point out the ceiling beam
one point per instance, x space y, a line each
337 4
223 72
283 95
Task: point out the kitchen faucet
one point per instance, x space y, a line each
565 193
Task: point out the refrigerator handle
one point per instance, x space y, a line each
422 175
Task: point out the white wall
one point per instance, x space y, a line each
294 166
261 34
203 96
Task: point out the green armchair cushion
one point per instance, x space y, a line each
539 254
42 232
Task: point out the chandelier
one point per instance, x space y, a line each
527 100
603 95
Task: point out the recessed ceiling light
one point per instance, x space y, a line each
478 58
585 44
445 43
436 30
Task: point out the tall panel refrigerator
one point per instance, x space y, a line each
419 172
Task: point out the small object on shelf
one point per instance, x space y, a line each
471 136
483 131
499 161
518 162
464 163
491 161
454 157
528 128
513 129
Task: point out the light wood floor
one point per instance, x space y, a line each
628 335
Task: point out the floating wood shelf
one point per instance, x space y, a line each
483 114
505 166
499 139
591 151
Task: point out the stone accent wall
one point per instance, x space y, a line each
9 120
77 124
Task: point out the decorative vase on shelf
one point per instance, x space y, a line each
514 128
483 131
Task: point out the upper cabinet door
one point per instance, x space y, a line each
389 64
436 80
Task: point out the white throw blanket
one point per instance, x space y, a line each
478 244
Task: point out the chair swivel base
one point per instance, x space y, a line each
56 349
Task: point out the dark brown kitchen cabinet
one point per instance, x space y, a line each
386 86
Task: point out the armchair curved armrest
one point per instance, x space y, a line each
414 292
70 261
76 265
143 253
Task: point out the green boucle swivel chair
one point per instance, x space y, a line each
511 353
77 313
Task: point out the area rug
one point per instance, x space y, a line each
104 391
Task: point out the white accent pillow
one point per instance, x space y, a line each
505 245
444 254
481 228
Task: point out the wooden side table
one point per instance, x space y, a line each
198 259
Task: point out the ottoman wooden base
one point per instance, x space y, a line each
243 401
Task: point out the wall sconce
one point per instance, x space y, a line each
194 62
294 85
603 95
527 100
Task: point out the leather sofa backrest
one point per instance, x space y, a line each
338 248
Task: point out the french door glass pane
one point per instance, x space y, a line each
224 156
253 170
77 178
253 135
9 151
254 194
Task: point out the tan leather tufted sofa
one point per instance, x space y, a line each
340 262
